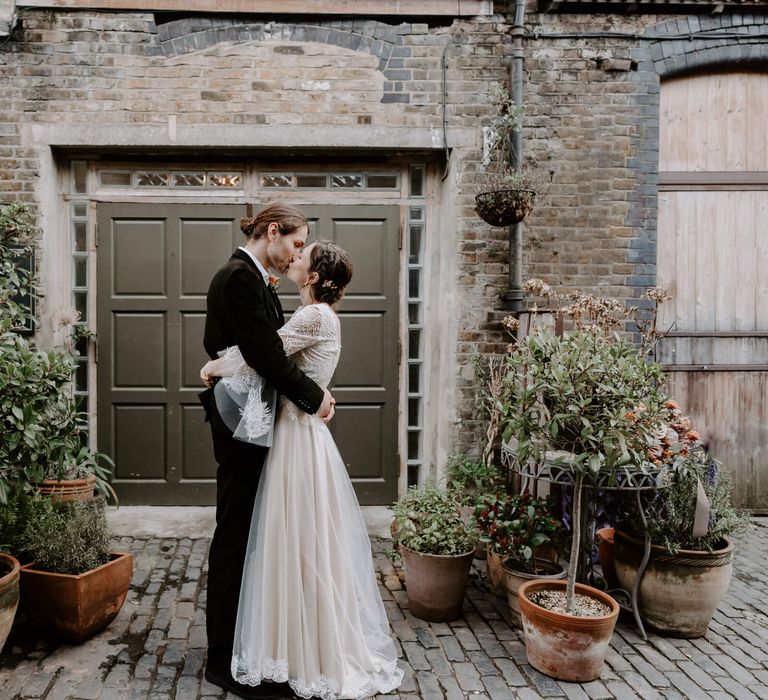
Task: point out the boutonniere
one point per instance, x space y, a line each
274 282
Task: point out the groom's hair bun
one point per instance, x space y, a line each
334 270
288 220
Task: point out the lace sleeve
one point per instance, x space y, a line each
244 387
302 330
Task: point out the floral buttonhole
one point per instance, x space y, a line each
274 282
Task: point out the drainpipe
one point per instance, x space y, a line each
514 294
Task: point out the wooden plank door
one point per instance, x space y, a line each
713 256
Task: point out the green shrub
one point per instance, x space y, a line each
515 526
428 521
39 421
69 537
471 478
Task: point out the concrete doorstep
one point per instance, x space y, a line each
198 522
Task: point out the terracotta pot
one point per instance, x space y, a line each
74 608
513 579
435 584
68 489
605 552
495 574
678 594
563 646
9 594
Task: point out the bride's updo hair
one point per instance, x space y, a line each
334 269
288 220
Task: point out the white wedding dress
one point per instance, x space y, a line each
310 612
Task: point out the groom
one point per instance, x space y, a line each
243 310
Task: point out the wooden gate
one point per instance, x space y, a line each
713 256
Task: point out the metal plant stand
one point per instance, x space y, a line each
627 479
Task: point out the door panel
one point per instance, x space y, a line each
155 263
365 385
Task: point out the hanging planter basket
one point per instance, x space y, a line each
504 207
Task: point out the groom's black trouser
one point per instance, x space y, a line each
237 480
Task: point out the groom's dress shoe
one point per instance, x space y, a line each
263 691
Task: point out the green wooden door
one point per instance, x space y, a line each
154 266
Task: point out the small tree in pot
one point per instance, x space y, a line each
437 546
588 403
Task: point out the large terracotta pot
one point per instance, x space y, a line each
678 594
435 584
563 646
74 608
9 594
605 538
495 574
513 579
68 489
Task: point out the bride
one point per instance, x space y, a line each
310 612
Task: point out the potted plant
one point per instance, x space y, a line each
587 403
520 532
38 414
524 541
436 545
75 586
689 570
508 191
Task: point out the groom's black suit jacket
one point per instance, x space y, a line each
243 311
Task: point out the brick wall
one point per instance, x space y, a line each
592 119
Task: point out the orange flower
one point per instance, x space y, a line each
672 405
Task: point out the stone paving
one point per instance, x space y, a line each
155 648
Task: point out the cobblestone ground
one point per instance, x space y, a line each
156 647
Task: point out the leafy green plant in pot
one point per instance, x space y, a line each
691 522
524 540
38 412
589 403
75 586
436 545
508 193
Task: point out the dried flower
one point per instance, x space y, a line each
658 294
66 316
511 323
539 288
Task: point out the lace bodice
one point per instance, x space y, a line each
312 338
